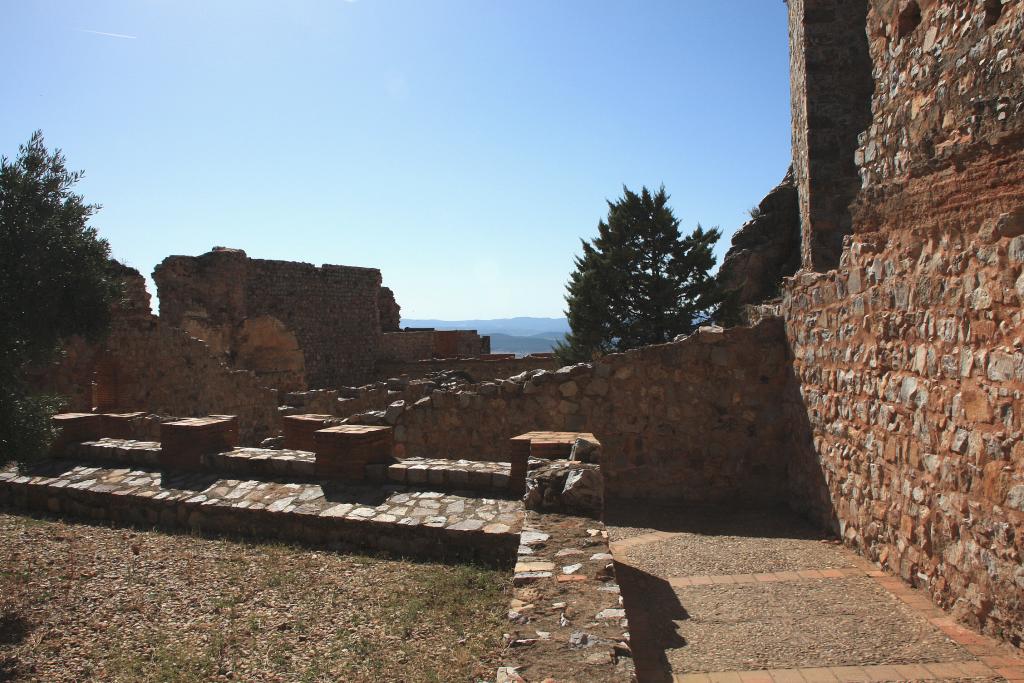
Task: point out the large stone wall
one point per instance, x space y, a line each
700 419
831 85
329 313
146 365
909 355
948 89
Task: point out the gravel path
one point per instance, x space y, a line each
800 624
698 555
793 622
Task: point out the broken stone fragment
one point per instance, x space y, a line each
584 450
580 639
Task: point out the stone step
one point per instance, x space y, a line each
452 475
439 474
247 462
389 517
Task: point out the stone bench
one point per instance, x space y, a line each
300 430
452 475
344 451
75 428
183 443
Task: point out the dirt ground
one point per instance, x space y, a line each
87 602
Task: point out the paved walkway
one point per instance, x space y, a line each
739 597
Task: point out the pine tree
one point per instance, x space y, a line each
639 281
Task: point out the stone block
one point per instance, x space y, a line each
120 425
344 451
183 443
76 428
299 430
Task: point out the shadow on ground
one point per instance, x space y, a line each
652 608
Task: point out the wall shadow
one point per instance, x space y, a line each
652 609
809 494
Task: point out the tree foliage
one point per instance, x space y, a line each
54 282
639 281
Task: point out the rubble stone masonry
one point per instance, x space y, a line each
701 419
145 364
910 355
332 311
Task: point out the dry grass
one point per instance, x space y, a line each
80 602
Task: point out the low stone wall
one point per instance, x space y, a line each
406 346
479 369
423 344
698 420
354 400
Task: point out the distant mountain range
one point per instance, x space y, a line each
508 335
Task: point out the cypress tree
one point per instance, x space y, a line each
639 281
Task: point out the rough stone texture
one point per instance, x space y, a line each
332 311
565 486
349 401
911 371
460 344
405 346
478 369
422 344
831 84
765 249
145 364
389 311
700 419
566 619
271 351
909 356
947 91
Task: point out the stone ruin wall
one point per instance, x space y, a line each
313 326
145 364
909 356
831 85
413 345
406 346
477 369
700 419
389 311
886 401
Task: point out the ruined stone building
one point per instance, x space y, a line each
882 391
879 390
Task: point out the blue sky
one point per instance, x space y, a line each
461 146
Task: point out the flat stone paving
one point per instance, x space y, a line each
390 517
443 474
716 595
